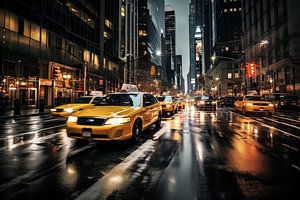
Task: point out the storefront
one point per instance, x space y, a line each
23 89
67 84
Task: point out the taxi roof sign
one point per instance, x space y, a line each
129 88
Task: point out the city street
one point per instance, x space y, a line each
195 155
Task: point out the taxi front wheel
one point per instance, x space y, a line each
136 131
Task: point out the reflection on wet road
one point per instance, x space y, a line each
195 155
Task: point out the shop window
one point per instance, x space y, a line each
11 22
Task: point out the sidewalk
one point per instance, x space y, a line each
28 112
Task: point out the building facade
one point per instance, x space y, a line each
170 46
59 50
151 28
225 48
271 41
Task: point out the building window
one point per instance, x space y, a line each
229 75
225 9
86 55
106 34
236 75
108 23
11 22
226 48
123 11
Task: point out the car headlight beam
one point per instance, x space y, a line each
53 110
72 119
117 120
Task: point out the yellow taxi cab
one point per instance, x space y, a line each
118 116
181 103
81 103
169 105
253 104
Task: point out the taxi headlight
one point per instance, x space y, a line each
202 102
249 104
69 110
72 119
117 120
214 102
270 104
168 106
53 110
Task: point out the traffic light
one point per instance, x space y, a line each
251 70
56 72
152 70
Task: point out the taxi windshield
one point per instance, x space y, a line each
83 100
166 99
254 98
120 100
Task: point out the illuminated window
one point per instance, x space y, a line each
226 48
44 36
235 9
236 75
86 55
95 59
240 9
35 32
26 28
225 1
225 10
11 22
108 23
123 11
231 9
229 75
106 35
32 31
142 33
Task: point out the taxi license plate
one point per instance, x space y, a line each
86 133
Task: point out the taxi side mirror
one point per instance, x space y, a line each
147 103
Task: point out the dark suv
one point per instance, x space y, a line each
205 102
288 101
227 101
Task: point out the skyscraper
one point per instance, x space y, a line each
170 45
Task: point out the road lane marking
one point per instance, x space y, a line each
283 123
296 167
32 132
119 176
13 146
280 117
268 126
289 147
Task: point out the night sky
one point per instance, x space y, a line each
181 8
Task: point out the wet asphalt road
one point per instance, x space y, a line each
195 155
